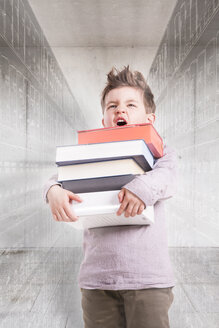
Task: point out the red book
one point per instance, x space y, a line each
144 131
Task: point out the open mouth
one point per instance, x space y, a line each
121 122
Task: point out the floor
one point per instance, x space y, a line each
39 288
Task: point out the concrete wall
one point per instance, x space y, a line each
185 79
37 113
85 69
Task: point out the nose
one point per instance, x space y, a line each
120 109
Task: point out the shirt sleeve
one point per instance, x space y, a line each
159 183
51 182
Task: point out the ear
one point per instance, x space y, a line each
151 118
103 123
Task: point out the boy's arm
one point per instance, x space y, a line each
158 184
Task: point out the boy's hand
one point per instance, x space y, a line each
59 200
131 203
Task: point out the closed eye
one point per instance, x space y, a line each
131 105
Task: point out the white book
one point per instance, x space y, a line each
98 209
87 153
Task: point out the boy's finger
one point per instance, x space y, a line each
129 209
121 195
67 217
57 216
75 197
63 215
141 209
122 207
135 209
70 214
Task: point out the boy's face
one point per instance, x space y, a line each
125 105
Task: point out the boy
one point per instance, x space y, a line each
126 277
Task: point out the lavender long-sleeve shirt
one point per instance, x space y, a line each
132 257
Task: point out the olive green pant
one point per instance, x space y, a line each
143 308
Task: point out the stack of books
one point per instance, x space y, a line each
101 163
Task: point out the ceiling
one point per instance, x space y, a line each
88 37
